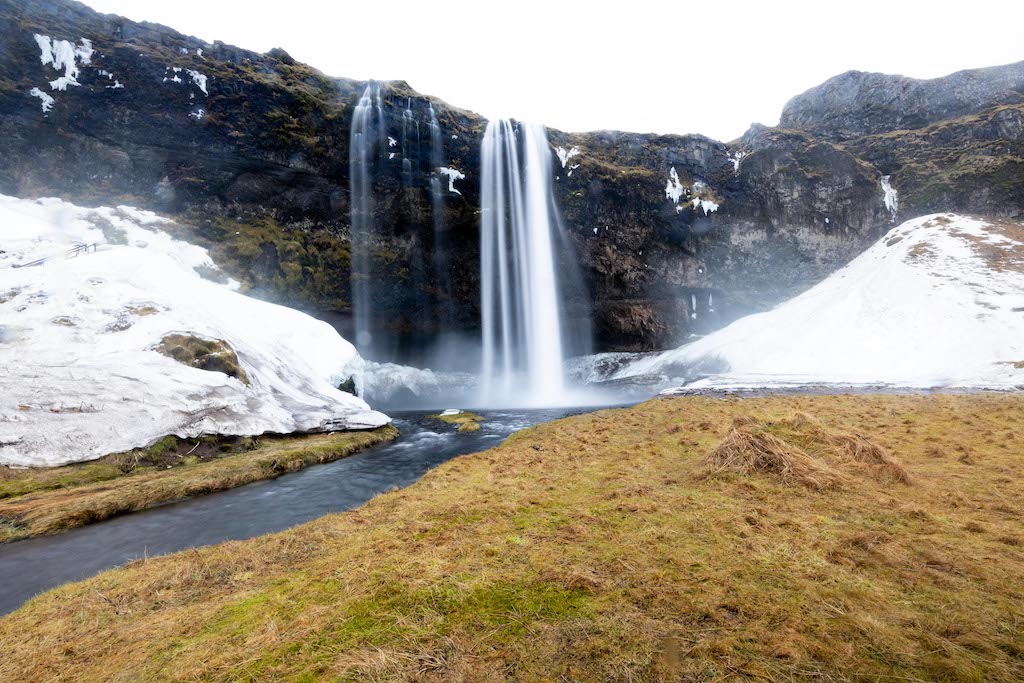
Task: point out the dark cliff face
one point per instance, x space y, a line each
950 143
251 153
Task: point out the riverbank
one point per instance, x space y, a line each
41 501
827 537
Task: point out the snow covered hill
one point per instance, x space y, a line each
87 296
937 302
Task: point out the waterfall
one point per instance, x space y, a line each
520 296
368 142
441 274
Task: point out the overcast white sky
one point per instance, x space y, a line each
640 65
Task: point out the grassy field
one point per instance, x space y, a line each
819 538
40 501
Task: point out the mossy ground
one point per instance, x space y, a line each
599 548
464 421
40 501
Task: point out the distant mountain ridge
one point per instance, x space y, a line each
856 103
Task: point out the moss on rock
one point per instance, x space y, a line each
464 420
213 355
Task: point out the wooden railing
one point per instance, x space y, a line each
77 250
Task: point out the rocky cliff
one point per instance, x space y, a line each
674 235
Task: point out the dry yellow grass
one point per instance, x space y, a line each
596 549
58 499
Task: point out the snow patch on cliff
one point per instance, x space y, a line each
699 190
89 293
62 54
674 189
935 303
566 155
735 159
453 175
173 74
47 101
199 79
890 197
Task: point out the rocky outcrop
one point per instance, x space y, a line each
674 235
856 103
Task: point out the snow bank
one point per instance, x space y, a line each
937 302
78 374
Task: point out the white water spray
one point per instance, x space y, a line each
523 350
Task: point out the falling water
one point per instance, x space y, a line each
520 310
367 144
410 128
443 277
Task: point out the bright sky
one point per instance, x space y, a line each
641 65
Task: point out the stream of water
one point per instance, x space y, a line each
31 566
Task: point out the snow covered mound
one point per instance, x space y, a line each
937 302
86 296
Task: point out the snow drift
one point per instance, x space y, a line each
937 302
85 297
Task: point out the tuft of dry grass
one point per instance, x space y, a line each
591 549
748 451
799 449
51 501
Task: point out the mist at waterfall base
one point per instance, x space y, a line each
528 268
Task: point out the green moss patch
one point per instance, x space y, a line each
465 420
212 355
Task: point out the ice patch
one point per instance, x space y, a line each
174 76
890 197
199 79
735 158
707 205
62 54
565 155
47 101
674 189
453 175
